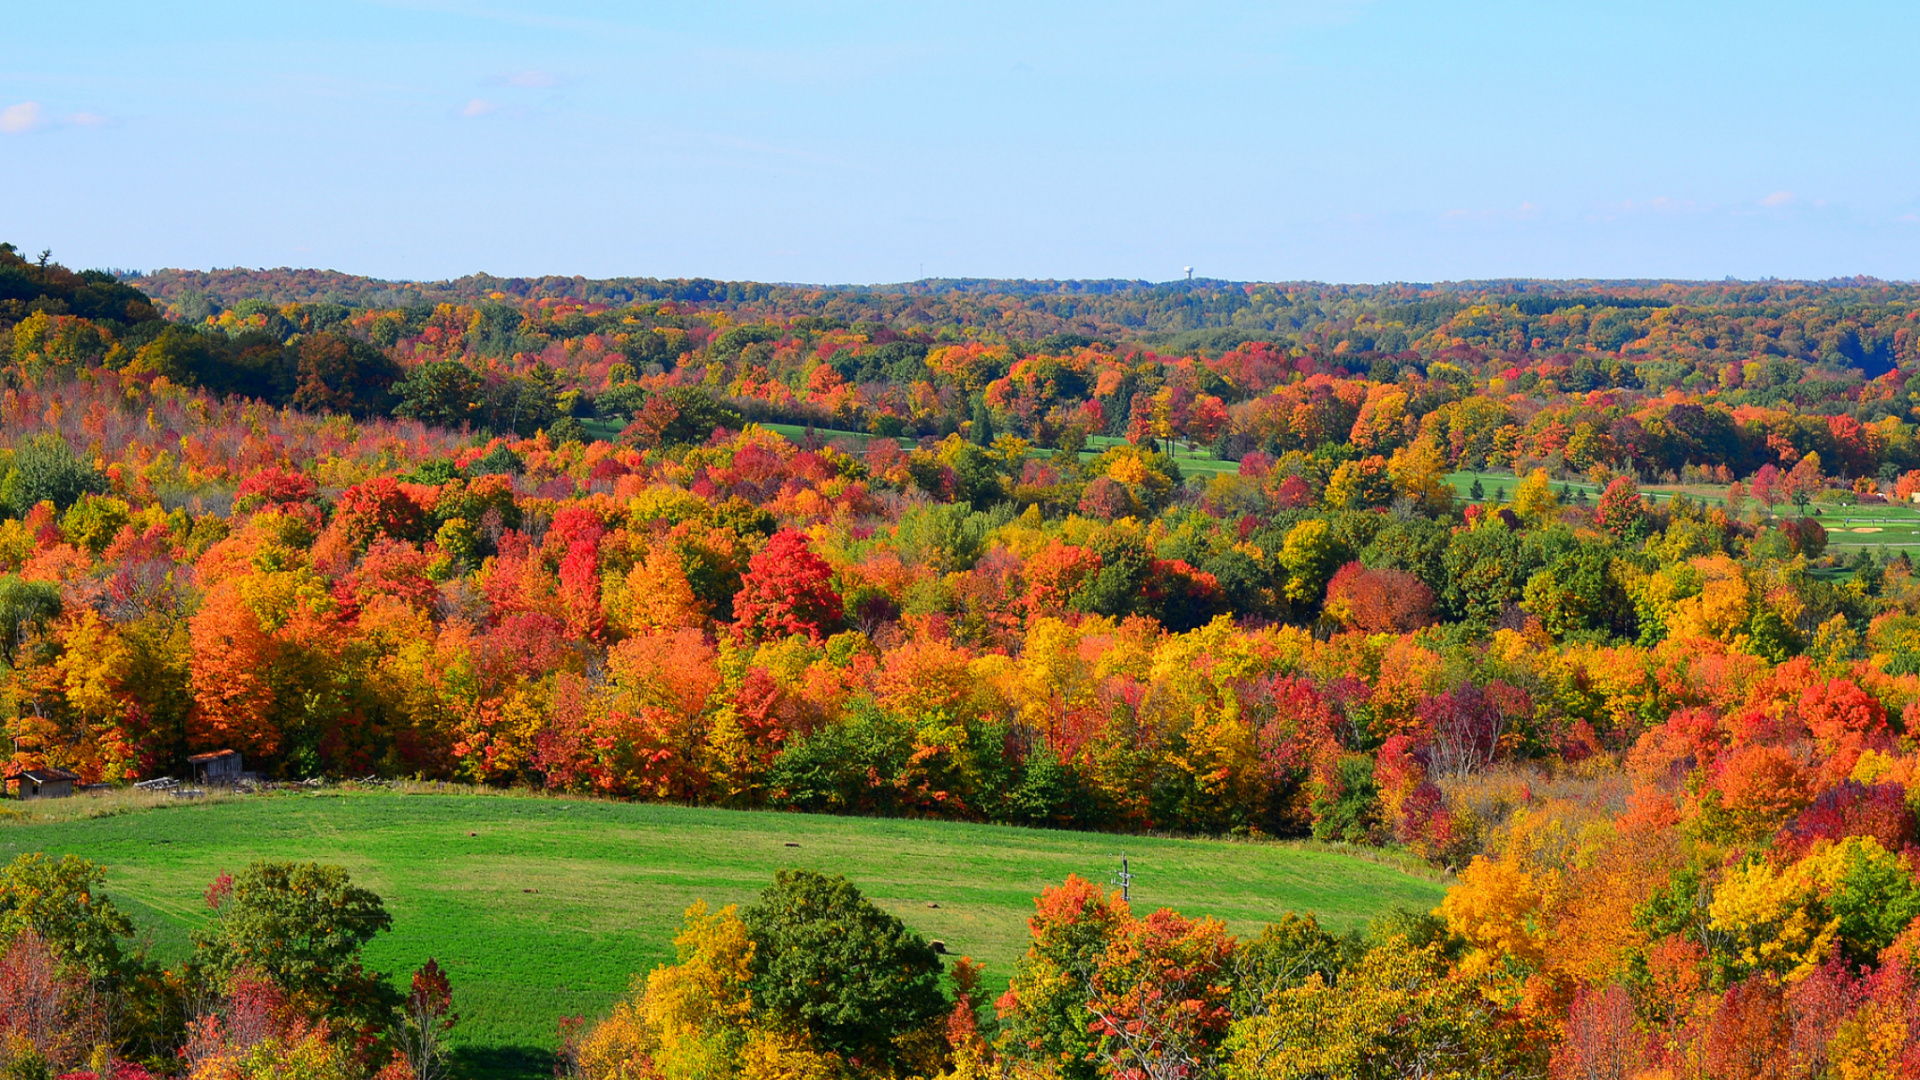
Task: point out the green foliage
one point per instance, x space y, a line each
1286 954
25 607
445 392
26 287
1578 592
830 963
1487 568
45 469
60 900
94 520
831 771
303 925
1875 899
1351 812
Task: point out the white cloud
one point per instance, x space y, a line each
1778 198
535 79
86 119
21 118
478 107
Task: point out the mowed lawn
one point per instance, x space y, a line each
1867 525
543 908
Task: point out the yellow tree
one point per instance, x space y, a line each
1534 500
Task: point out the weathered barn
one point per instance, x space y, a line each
219 767
42 782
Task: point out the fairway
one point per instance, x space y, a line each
541 908
1876 525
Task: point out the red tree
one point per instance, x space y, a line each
1379 601
1620 511
787 589
380 508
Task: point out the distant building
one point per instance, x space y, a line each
42 782
219 767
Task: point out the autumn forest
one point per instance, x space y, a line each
1538 584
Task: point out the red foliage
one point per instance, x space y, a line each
1747 1036
380 508
1054 575
1379 601
36 996
1850 809
1108 499
1293 494
430 1000
274 486
1603 1040
787 589
1621 510
397 569
1463 728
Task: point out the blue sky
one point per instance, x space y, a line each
1338 140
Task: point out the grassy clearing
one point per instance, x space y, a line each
541 908
1868 525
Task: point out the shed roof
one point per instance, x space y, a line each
202 759
46 775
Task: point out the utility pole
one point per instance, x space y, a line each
1125 879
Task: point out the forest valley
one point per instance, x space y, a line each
540 536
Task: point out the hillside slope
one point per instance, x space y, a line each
543 908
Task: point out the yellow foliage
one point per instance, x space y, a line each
1721 608
781 1055
1419 471
690 1020
1775 915
1868 1044
1496 907
658 596
1534 500
91 656
1396 1012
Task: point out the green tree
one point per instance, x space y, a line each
830 963
981 430
180 355
46 470
1487 568
444 392
303 926
56 898
1285 955
25 606
1578 591
1310 555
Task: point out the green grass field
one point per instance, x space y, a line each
1863 526
540 908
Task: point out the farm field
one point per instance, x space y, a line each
1862 526
541 908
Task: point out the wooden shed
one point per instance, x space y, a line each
219 767
43 782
